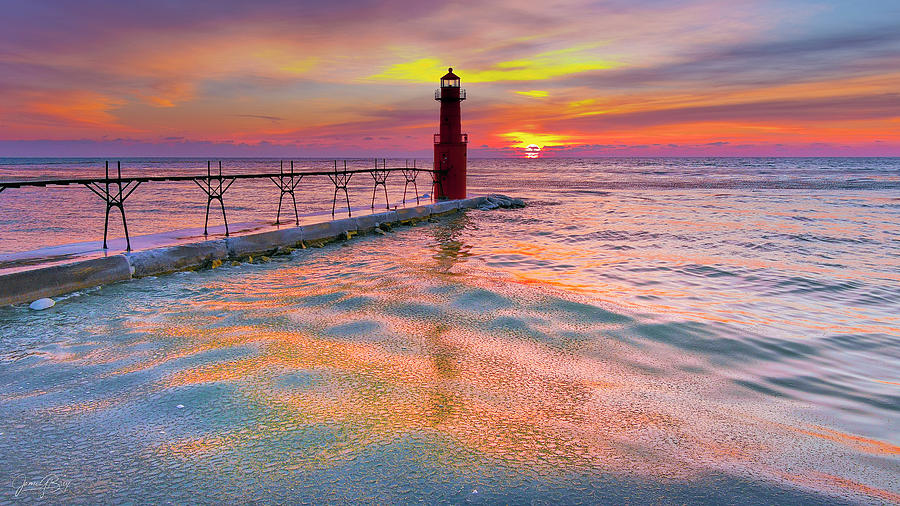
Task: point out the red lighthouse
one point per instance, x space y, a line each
450 143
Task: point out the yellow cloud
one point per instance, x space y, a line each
534 93
591 113
580 103
422 70
539 67
525 139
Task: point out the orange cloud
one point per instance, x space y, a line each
83 108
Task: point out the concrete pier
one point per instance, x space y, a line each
29 284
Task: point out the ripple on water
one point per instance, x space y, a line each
322 299
581 312
358 330
480 300
815 286
723 343
200 355
205 408
706 271
413 310
518 327
883 343
354 303
834 390
299 379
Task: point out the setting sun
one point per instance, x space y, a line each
526 139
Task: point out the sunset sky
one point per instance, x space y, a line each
356 78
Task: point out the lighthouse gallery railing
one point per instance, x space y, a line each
463 138
462 93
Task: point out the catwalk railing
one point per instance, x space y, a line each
115 190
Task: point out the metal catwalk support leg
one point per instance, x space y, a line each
286 183
380 177
340 181
410 175
106 225
206 221
124 225
387 202
334 201
114 198
214 192
224 218
278 214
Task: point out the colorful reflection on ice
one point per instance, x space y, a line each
493 356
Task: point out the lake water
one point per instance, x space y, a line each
645 330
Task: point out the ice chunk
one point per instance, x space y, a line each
41 304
